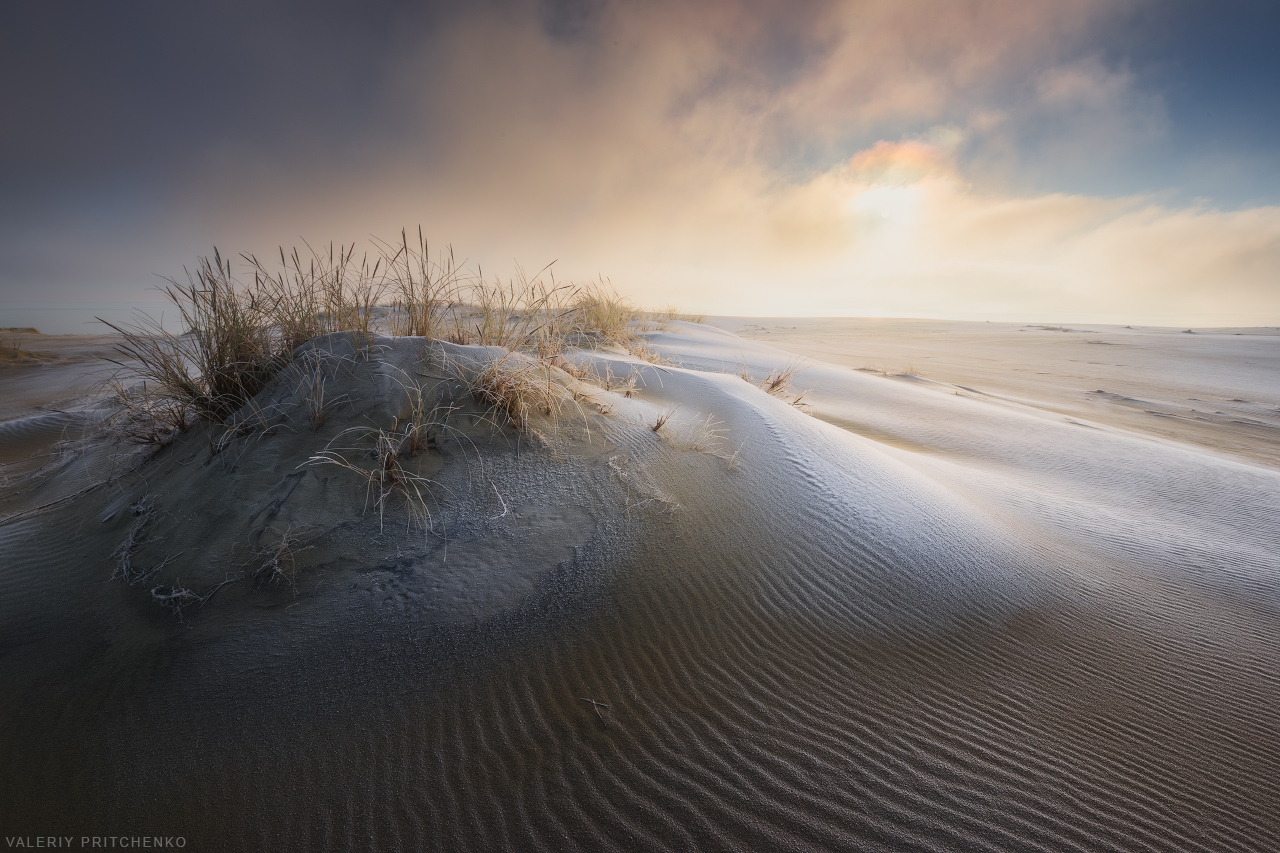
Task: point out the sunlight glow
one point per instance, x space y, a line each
892 206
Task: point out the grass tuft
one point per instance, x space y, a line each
779 383
646 354
706 436
662 420
378 463
312 377
223 358
144 417
515 389
423 290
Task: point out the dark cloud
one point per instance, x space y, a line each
93 88
571 19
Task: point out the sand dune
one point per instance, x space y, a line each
928 611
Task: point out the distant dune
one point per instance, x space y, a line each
948 587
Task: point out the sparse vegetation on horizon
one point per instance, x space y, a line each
664 317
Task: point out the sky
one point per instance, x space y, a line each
1074 161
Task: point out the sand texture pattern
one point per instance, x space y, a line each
914 613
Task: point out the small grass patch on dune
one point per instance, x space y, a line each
538 315
274 561
663 318
662 420
376 457
515 389
779 382
226 353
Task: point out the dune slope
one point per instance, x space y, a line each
906 617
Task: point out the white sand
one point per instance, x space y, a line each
1216 388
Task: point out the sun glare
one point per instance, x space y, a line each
887 206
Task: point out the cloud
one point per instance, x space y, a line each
909 235
737 157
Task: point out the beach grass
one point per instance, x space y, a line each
237 336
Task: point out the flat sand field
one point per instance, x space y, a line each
982 587
1218 389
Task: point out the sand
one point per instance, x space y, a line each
962 606
1217 389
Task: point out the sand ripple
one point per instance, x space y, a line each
1022 636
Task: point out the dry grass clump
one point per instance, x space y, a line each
577 371
144 417
706 435
538 315
311 374
311 389
331 292
662 420
423 426
522 313
625 385
703 435
663 318
644 353
377 460
514 389
236 337
223 358
423 291
602 316
377 455
779 382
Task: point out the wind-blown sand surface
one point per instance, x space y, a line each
971 610
1215 388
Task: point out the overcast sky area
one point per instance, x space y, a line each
1076 160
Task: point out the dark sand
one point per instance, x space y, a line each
967 613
